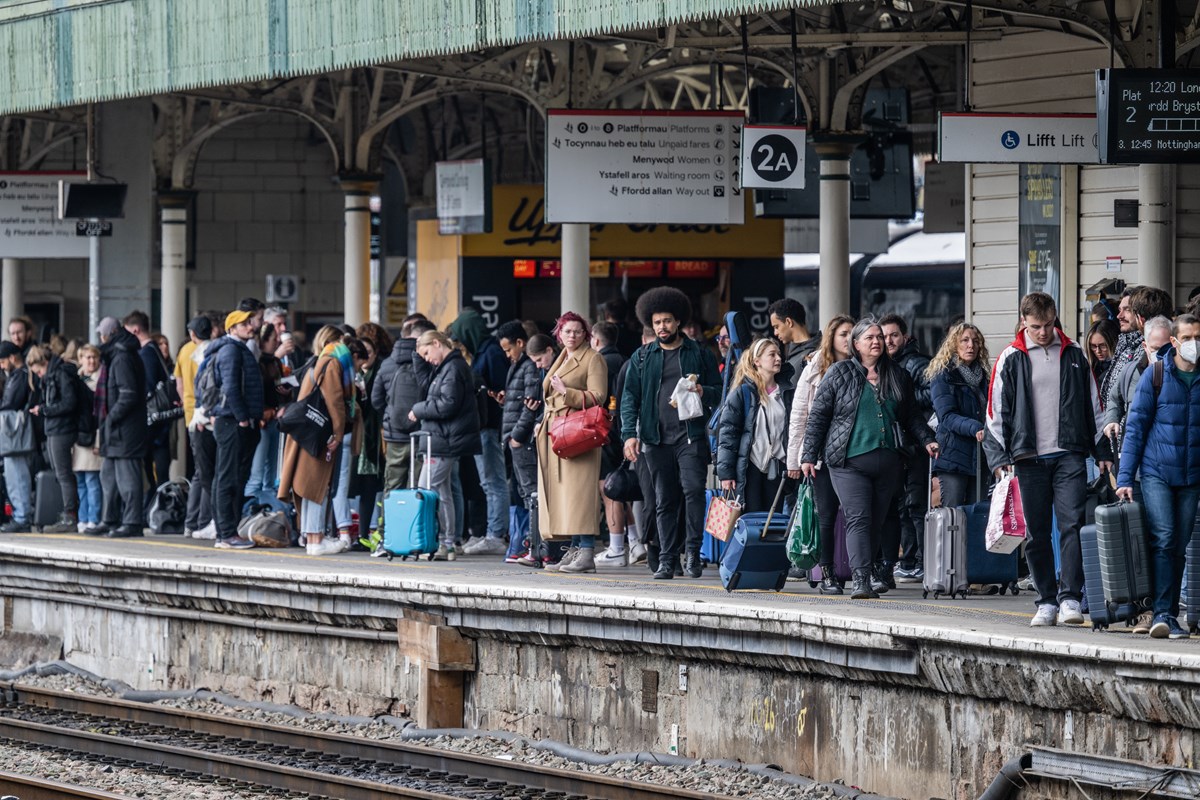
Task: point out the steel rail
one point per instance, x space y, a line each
570 782
244 770
26 787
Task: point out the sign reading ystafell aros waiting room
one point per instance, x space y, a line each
29 223
643 166
521 231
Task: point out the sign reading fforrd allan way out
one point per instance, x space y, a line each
643 166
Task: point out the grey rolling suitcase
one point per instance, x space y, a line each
1191 581
945 549
1124 555
47 499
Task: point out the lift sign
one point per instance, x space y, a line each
773 157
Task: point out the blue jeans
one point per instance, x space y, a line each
90 498
341 495
490 464
263 469
587 541
19 484
1170 515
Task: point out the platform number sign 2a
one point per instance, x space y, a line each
773 157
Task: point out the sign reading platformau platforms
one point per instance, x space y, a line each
644 167
29 223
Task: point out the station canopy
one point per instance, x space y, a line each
60 53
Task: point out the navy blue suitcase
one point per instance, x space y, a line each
984 566
1093 584
1191 580
756 558
711 547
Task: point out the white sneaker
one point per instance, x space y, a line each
325 547
1069 613
610 559
637 553
485 546
82 527
1046 616
209 531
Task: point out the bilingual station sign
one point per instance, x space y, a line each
1018 138
1148 116
29 223
638 166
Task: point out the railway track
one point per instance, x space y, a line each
24 787
313 764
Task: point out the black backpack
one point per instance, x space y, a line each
403 394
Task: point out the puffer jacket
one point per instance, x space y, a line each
123 432
835 407
739 423
17 390
960 418
1162 435
398 387
915 363
449 413
1010 405
240 380
524 382
60 398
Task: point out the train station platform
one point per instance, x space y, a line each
881 692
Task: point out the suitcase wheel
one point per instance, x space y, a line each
1015 591
925 594
1003 590
938 595
813 584
781 582
734 579
1098 626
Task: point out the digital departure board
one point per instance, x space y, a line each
1148 116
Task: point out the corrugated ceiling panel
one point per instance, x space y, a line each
66 52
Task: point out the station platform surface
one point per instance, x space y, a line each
475 583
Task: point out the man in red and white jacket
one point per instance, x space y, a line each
1044 411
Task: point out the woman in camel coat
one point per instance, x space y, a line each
569 505
305 479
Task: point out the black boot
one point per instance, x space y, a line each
666 567
691 565
652 560
862 586
829 582
881 578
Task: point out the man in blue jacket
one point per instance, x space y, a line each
1162 437
235 425
676 450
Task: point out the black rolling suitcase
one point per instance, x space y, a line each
1124 556
47 499
1191 581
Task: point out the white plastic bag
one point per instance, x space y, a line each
687 402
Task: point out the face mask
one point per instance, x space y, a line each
1190 351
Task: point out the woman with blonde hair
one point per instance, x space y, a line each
835 347
85 458
752 444
958 385
449 415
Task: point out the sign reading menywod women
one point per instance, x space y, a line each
644 167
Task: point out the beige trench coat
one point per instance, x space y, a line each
569 489
301 474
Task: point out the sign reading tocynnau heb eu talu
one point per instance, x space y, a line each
1018 138
643 167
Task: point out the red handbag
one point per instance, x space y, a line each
580 431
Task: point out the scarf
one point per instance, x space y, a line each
101 401
1129 348
972 374
340 353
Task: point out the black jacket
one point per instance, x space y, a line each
614 360
123 433
1010 405
739 419
449 412
16 391
915 363
835 407
798 354
60 398
400 384
524 382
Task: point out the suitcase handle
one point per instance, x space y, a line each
978 481
771 513
413 439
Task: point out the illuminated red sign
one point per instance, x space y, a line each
639 269
691 269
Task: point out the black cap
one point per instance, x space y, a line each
8 350
201 326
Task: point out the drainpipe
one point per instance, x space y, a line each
1009 779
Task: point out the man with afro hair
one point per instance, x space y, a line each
676 451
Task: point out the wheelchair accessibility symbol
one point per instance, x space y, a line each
1010 140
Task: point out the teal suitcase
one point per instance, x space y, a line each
410 523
